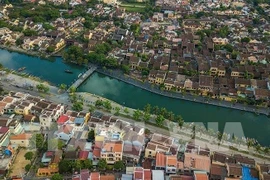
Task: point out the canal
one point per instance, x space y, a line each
254 126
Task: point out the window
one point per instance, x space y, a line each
22 141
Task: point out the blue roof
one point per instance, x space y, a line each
79 120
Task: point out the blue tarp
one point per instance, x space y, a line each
246 175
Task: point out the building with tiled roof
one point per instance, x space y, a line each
22 140
112 151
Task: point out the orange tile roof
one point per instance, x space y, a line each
180 165
111 146
23 136
8 99
171 160
197 162
2 104
147 174
94 176
199 176
107 177
160 160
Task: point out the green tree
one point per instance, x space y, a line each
74 54
99 103
50 49
107 105
146 116
179 120
29 156
245 39
27 167
147 108
54 144
119 165
155 110
193 135
87 164
78 165
126 111
91 108
57 176
117 111
19 41
72 89
77 106
219 136
91 135
42 88
160 120
63 87
137 114
65 166
102 164
266 150
37 141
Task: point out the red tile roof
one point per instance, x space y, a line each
160 160
83 155
62 119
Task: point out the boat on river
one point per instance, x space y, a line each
21 69
68 71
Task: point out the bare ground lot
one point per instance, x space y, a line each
19 164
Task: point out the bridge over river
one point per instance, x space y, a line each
82 77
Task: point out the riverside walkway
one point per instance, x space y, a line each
83 77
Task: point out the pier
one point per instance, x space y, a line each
82 77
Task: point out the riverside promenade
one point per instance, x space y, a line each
188 97
83 77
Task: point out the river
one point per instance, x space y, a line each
254 126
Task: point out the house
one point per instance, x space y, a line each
21 140
59 43
112 151
264 170
234 170
166 162
158 175
206 83
4 134
261 94
158 143
65 132
217 172
197 162
142 174
199 175
220 41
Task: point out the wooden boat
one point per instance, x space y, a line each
21 69
68 71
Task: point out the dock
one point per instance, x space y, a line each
83 77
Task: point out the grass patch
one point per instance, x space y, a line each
141 4
134 9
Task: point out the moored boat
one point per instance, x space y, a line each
68 71
21 69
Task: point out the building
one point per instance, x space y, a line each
21 140
112 151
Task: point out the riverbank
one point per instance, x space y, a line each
187 97
202 136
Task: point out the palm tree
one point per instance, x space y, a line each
117 110
266 150
179 120
155 110
193 135
258 148
72 89
159 120
63 87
